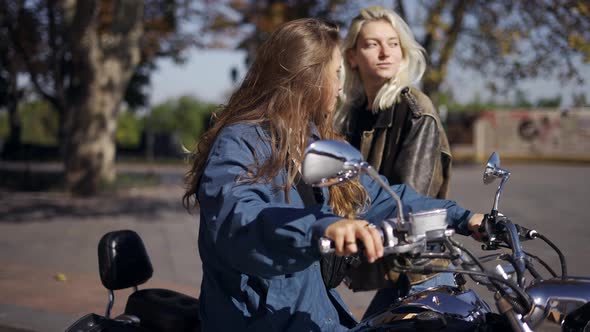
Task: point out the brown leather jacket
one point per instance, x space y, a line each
407 144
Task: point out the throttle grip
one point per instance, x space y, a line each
486 229
325 245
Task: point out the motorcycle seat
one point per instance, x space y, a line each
123 262
164 310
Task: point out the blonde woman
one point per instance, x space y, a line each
393 124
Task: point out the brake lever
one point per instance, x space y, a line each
489 231
493 227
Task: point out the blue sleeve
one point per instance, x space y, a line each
250 225
383 206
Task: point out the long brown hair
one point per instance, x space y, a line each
285 90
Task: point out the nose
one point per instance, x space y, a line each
385 51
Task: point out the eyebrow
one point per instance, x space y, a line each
377 38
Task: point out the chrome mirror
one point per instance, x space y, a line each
328 162
494 171
489 174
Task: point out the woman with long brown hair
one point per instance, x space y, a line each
259 225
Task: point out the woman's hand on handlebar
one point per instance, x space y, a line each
474 225
346 232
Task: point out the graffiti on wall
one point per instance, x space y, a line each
530 133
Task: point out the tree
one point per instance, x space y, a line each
245 24
552 102
10 93
521 100
185 116
579 100
104 55
504 40
80 56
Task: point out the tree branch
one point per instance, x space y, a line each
55 55
33 73
458 14
431 23
439 69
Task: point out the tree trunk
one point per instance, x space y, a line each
438 69
14 139
104 58
8 60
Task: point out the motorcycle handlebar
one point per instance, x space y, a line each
400 236
458 253
394 241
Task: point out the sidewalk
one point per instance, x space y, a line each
47 235
44 234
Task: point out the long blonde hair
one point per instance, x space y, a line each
411 69
285 90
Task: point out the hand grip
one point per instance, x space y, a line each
326 246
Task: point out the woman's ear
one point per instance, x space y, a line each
351 58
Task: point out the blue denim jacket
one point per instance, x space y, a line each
260 257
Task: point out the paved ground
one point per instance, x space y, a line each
47 235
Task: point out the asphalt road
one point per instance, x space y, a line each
552 199
45 234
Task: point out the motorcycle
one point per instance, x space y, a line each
525 300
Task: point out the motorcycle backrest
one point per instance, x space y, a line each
122 260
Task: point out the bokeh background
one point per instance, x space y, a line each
101 100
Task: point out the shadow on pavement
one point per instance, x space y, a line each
34 192
46 206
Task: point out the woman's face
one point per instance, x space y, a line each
377 54
334 81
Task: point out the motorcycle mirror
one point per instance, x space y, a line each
490 173
329 162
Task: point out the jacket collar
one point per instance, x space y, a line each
384 118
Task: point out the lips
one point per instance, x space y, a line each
384 64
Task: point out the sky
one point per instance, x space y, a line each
206 75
